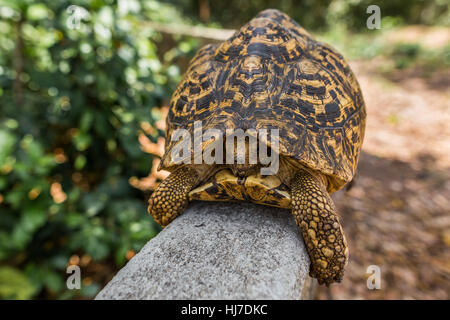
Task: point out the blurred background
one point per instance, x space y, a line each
84 89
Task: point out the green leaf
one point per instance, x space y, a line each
37 12
32 218
96 248
7 143
94 202
82 141
53 281
86 121
80 162
14 284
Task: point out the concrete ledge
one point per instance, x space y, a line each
219 250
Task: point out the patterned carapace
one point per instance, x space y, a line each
272 75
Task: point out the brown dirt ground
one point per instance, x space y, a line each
397 213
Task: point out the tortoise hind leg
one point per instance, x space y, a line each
170 199
315 214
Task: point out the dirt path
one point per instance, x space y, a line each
397 214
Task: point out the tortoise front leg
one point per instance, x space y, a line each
316 215
170 199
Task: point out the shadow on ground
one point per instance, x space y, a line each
396 216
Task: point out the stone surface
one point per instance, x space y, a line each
219 250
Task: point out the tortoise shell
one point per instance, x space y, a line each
271 74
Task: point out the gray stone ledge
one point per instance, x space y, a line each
219 250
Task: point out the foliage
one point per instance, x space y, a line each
72 104
396 52
14 284
320 15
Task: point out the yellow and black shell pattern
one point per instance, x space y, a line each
271 74
224 186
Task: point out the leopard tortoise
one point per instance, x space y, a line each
271 74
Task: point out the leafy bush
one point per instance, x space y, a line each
72 104
319 15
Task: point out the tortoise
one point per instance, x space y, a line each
271 74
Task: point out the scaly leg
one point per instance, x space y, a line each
170 199
316 215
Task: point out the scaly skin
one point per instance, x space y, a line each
312 207
316 215
170 199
